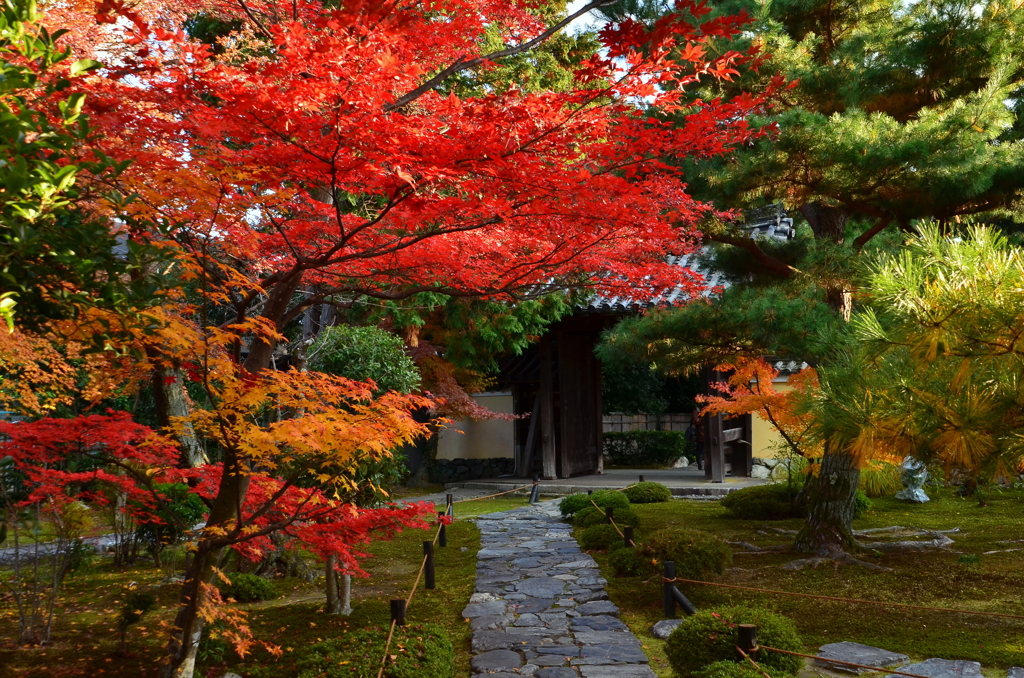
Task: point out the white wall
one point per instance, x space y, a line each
481 439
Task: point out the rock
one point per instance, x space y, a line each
490 622
557 672
665 627
588 596
528 669
599 607
624 671
496 660
541 587
1016 672
682 462
483 598
533 605
481 609
485 641
762 472
528 620
943 668
600 622
229 674
576 564
858 654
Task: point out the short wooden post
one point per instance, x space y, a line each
746 639
590 492
535 492
442 533
627 535
641 477
684 603
428 568
450 509
610 514
669 573
398 612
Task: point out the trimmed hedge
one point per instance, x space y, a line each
697 554
247 588
595 516
647 493
763 502
644 448
575 503
733 669
599 537
710 636
627 562
420 650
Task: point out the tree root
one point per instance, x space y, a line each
837 559
938 541
750 549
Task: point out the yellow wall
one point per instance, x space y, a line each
766 439
480 439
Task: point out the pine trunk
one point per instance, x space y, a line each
831 499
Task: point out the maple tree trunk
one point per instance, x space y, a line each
182 648
831 499
169 394
333 601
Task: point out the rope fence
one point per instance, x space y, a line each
399 607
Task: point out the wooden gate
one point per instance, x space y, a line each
579 374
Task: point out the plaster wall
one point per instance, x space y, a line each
481 439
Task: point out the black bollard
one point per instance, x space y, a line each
684 603
667 596
398 612
746 639
428 568
442 534
641 478
627 535
450 509
610 514
590 492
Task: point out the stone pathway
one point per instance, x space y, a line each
540 608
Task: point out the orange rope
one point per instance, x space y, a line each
387 646
836 661
845 600
494 495
611 520
749 659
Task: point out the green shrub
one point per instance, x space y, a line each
627 562
595 516
599 537
696 554
734 669
575 503
710 636
422 651
644 448
647 493
763 502
247 588
363 353
862 504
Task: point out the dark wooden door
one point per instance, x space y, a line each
580 397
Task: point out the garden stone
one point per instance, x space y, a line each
481 609
490 621
557 672
533 605
501 674
496 660
599 622
541 587
589 595
599 607
229 674
663 629
1015 672
944 668
485 641
621 671
483 598
913 474
528 620
762 472
859 654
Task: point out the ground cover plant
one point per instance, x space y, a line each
86 635
994 582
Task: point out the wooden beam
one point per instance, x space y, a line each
731 434
714 446
547 408
531 440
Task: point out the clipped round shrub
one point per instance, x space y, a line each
599 537
861 505
763 502
735 669
710 636
627 562
697 554
574 503
595 516
647 493
420 650
247 588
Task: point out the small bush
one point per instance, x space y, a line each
575 503
708 637
595 516
697 554
599 537
861 505
734 669
647 493
763 502
247 588
627 562
421 651
644 448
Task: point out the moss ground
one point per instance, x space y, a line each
84 641
995 583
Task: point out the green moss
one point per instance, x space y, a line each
626 562
574 503
732 669
696 554
647 493
763 502
595 516
710 636
599 537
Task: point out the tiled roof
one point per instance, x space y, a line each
770 222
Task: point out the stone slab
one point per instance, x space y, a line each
599 622
541 587
620 671
483 609
599 607
944 668
665 627
496 660
557 672
533 605
1015 672
858 654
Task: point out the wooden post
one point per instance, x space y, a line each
610 514
442 534
641 477
398 612
547 408
535 492
627 535
746 639
428 569
666 589
684 603
531 439
714 449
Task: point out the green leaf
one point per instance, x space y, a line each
84 66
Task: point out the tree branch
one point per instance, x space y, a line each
774 265
867 235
